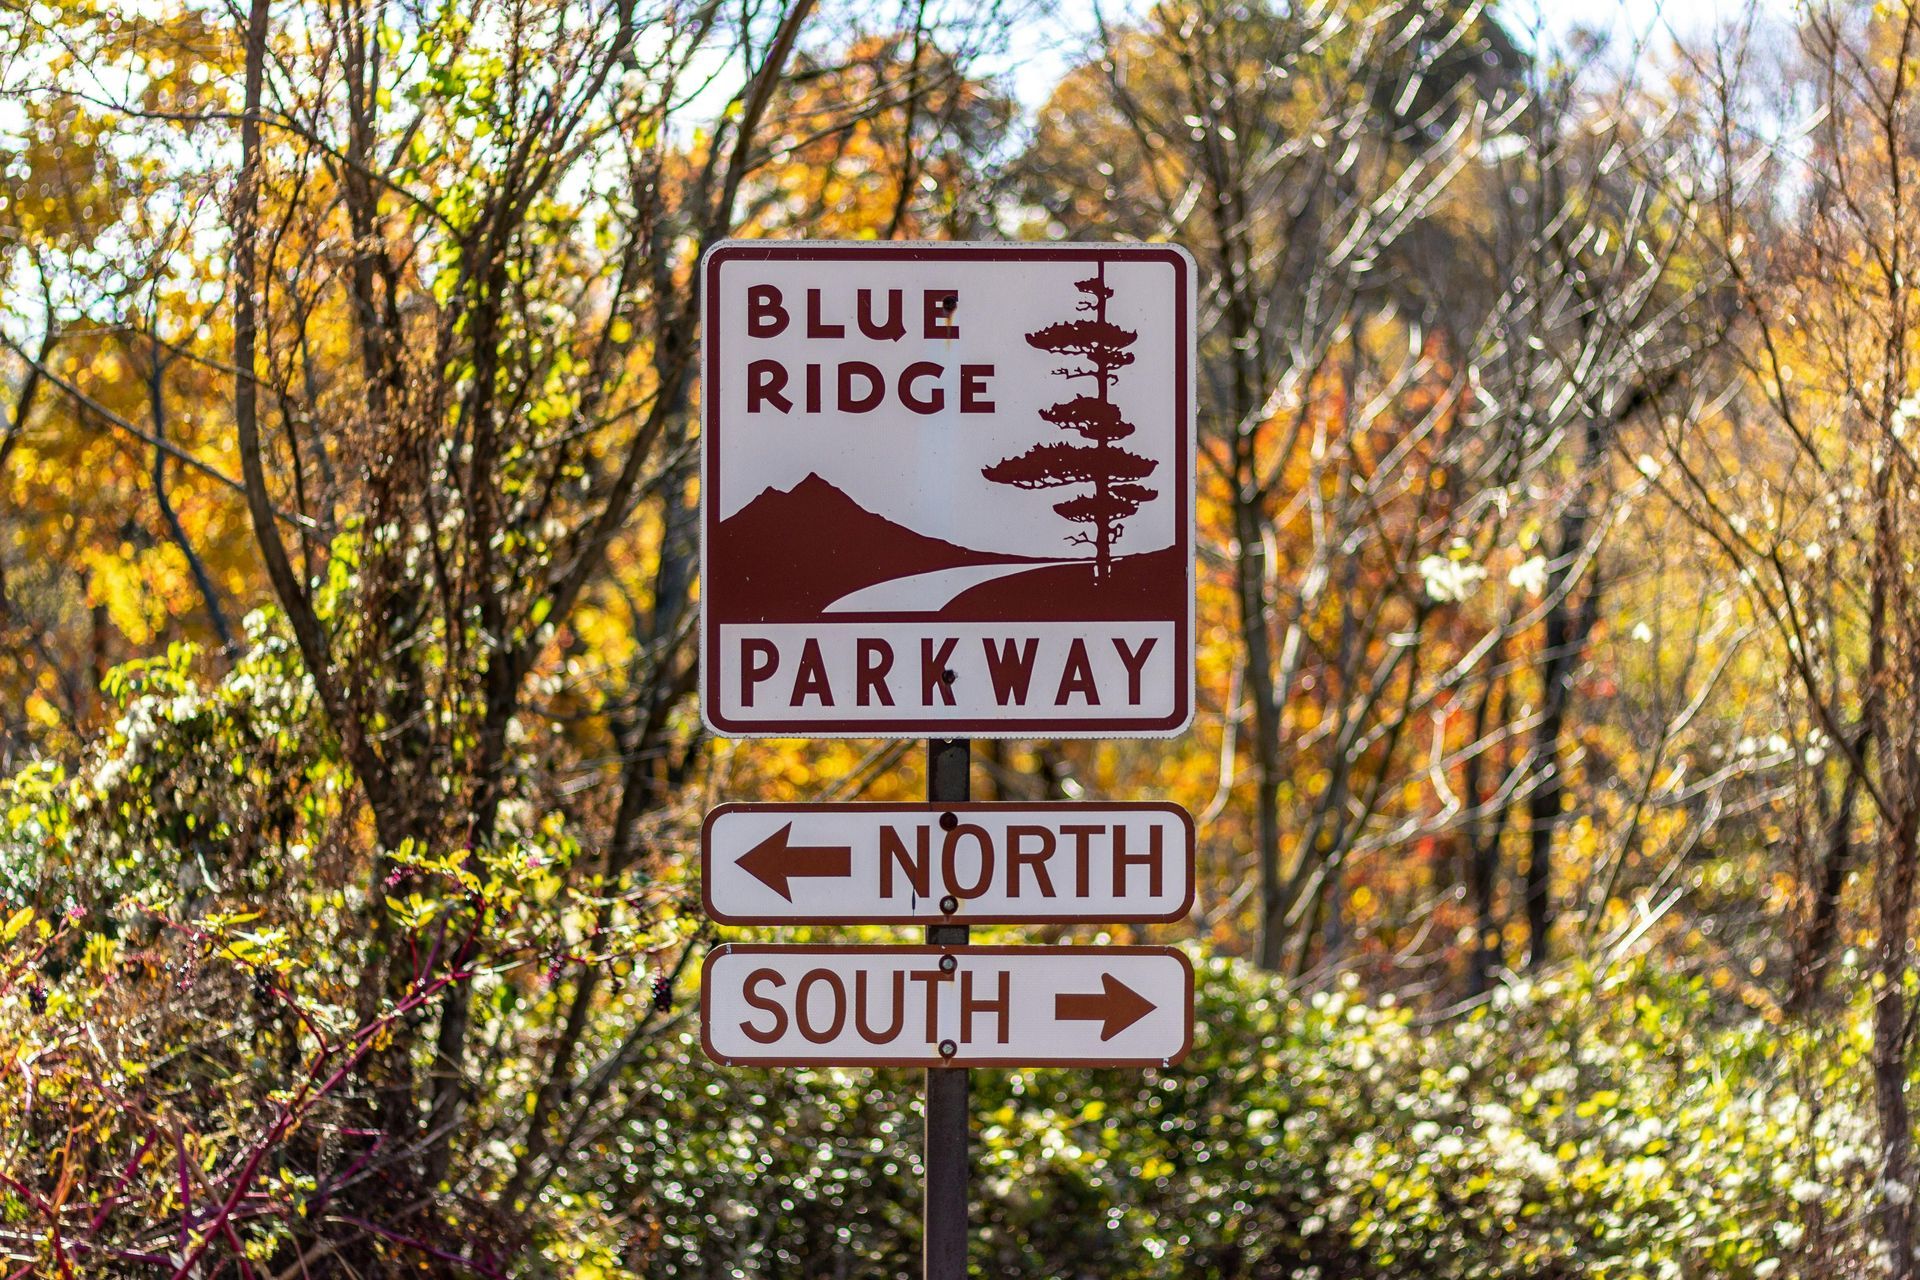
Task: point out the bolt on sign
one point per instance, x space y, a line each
983 863
947 490
947 1006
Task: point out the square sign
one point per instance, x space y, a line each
947 490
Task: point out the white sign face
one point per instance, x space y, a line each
954 863
947 1006
947 490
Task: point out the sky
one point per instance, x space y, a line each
1047 46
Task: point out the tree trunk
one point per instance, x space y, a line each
1483 834
1543 806
1250 568
1568 627
1813 948
1892 1050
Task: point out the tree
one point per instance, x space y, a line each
116 486
1420 322
1113 472
1798 473
449 350
362 946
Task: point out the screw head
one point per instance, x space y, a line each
948 821
948 964
948 1048
948 676
949 904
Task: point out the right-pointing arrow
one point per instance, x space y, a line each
1117 1007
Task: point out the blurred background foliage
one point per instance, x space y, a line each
1558 796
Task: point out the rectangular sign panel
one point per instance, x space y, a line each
955 863
947 1006
947 490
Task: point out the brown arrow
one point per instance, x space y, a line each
774 861
1116 1008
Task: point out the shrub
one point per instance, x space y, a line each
1605 1125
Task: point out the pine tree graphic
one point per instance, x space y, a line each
1113 472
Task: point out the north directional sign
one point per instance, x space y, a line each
947 1006
947 490
998 863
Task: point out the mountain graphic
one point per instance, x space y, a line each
790 554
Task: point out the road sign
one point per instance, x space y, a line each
946 863
947 490
947 1006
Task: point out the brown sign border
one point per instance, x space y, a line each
1186 458
962 917
935 1060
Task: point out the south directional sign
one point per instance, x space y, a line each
775 864
947 490
947 1006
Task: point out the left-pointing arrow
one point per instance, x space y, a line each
775 861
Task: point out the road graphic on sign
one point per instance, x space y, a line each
929 592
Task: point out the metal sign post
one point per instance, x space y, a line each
947 489
944 1208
